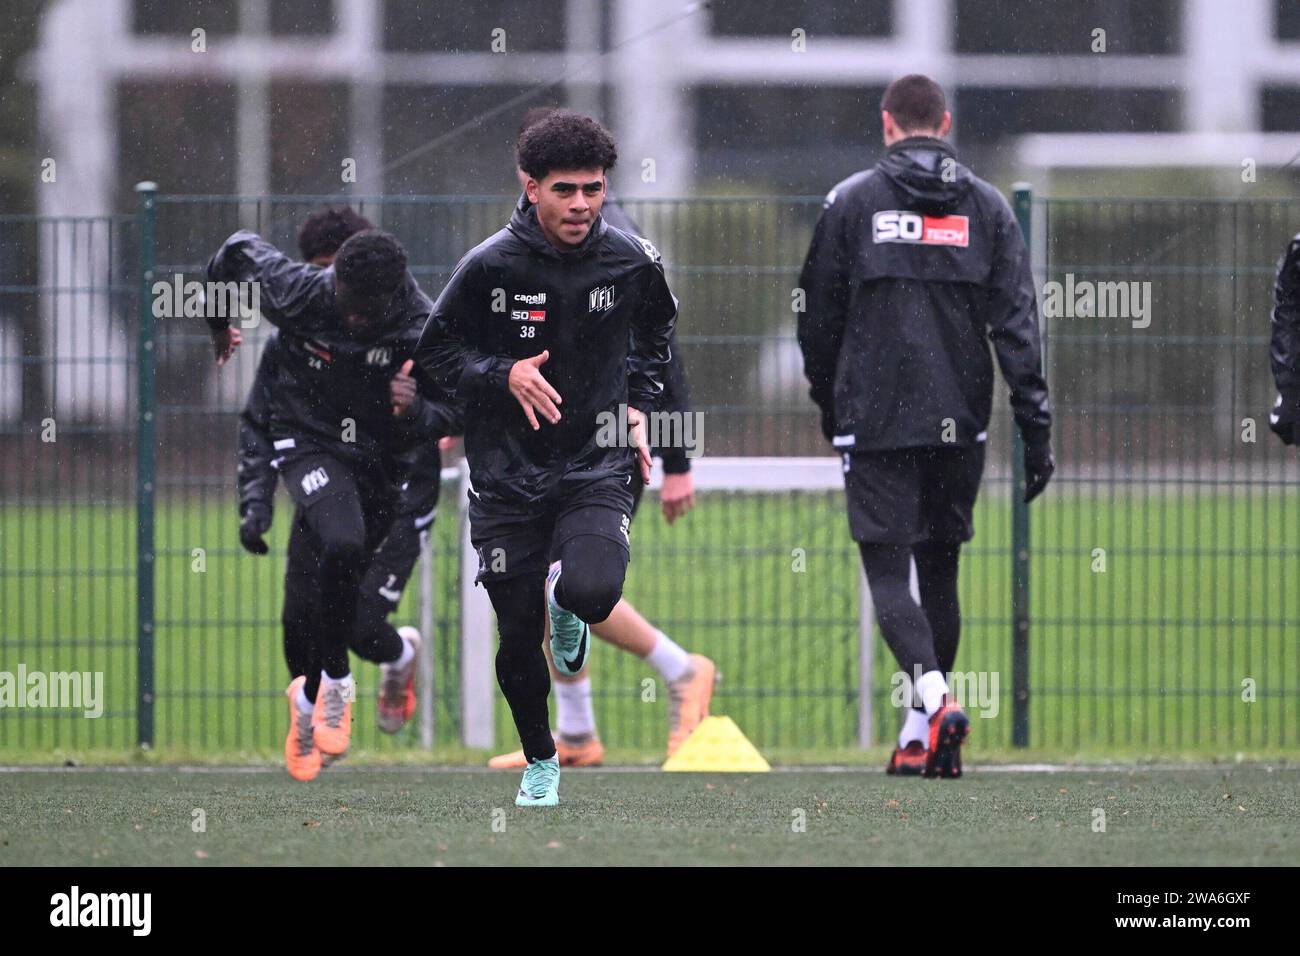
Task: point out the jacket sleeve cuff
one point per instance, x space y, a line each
675 461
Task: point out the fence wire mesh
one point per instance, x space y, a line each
1160 611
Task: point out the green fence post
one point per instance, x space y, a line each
145 473
1023 204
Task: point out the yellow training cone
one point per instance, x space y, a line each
717 746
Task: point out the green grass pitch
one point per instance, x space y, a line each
1187 816
1147 657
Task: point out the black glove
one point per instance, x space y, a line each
1284 420
1039 465
256 522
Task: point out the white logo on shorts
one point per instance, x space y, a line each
314 481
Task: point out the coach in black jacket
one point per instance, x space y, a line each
915 266
1284 351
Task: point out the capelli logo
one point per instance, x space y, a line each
75 908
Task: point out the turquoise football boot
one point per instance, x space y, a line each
541 784
570 635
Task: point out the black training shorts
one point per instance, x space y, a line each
512 540
910 495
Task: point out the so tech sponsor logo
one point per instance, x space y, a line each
524 307
894 225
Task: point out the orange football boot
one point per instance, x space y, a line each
688 700
589 752
907 761
397 687
301 755
949 726
331 721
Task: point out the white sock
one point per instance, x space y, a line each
342 683
573 714
668 658
932 687
553 594
408 652
304 705
916 726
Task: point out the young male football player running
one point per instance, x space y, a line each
551 322
346 332
689 677
915 266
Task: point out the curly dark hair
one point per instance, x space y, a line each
371 264
565 140
325 230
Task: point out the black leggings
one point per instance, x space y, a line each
373 638
591 583
923 637
321 588
936 572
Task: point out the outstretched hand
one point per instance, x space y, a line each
532 391
224 343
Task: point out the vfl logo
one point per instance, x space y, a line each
598 300
379 356
314 481
893 225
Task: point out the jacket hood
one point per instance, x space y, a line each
524 225
915 166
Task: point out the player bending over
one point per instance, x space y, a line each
585 328
347 332
373 638
915 266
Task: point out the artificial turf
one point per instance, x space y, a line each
1184 816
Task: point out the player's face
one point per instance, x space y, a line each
362 317
568 202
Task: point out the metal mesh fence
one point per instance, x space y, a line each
1157 558
1162 555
